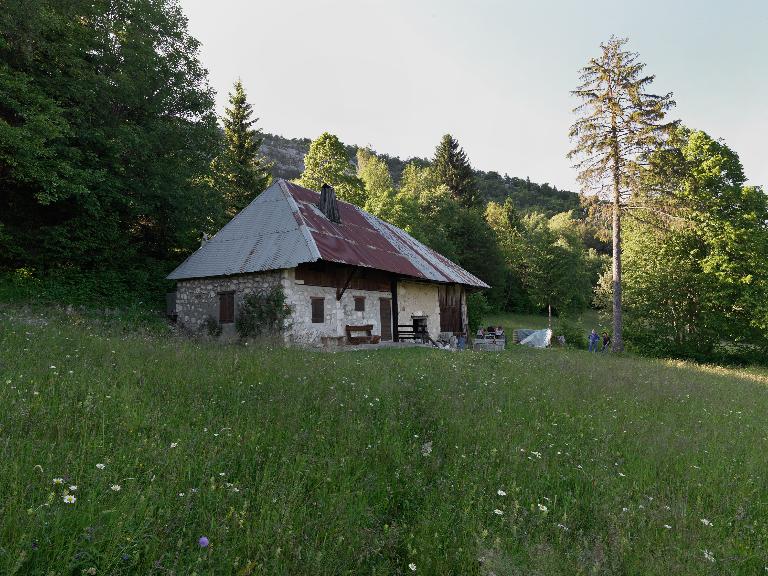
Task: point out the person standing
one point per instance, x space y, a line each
606 342
594 338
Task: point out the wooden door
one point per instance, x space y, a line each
385 317
450 308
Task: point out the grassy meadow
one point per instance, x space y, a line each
122 447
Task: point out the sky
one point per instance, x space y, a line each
396 74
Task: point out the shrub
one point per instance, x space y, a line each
477 309
572 330
262 313
211 327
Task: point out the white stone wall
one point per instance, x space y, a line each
419 299
338 314
198 299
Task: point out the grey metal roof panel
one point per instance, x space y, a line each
265 235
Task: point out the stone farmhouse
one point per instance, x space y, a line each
348 276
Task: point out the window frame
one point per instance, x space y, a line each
359 300
313 300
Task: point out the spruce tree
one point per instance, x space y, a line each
453 169
242 172
619 123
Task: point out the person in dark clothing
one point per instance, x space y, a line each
606 342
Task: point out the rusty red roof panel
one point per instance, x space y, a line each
364 240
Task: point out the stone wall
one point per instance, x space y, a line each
419 299
338 314
198 299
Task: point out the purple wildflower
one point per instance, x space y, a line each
203 542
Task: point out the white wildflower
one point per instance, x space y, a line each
115 487
69 499
706 522
58 480
73 488
708 555
667 526
501 493
174 444
412 566
498 512
543 508
101 466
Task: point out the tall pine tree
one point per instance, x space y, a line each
241 171
619 124
452 169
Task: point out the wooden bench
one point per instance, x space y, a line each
368 338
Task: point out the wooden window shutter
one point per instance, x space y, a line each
359 303
318 310
226 307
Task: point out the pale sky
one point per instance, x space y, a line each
398 74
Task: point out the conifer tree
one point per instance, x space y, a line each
619 123
453 169
242 172
327 162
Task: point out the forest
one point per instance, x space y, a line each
114 164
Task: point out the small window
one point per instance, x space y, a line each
226 307
318 310
359 303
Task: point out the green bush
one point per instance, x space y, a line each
477 309
573 331
262 314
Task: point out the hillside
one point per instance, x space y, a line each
122 447
288 157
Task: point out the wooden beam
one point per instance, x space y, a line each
339 294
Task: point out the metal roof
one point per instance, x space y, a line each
283 227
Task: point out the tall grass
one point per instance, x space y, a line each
370 462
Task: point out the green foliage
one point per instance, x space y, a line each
327 163
211 327
547 263
379 189
697 253
477 309
262 314
572 330
106 136
240 173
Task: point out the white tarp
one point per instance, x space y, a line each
538 339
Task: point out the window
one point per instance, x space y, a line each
226 307
318 310
359 303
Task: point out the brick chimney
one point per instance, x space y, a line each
328 204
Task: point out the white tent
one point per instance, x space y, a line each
538 339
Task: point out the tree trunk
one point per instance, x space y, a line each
617 342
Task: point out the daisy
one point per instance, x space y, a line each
58 480
69 499
115 487
73 488
543 508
